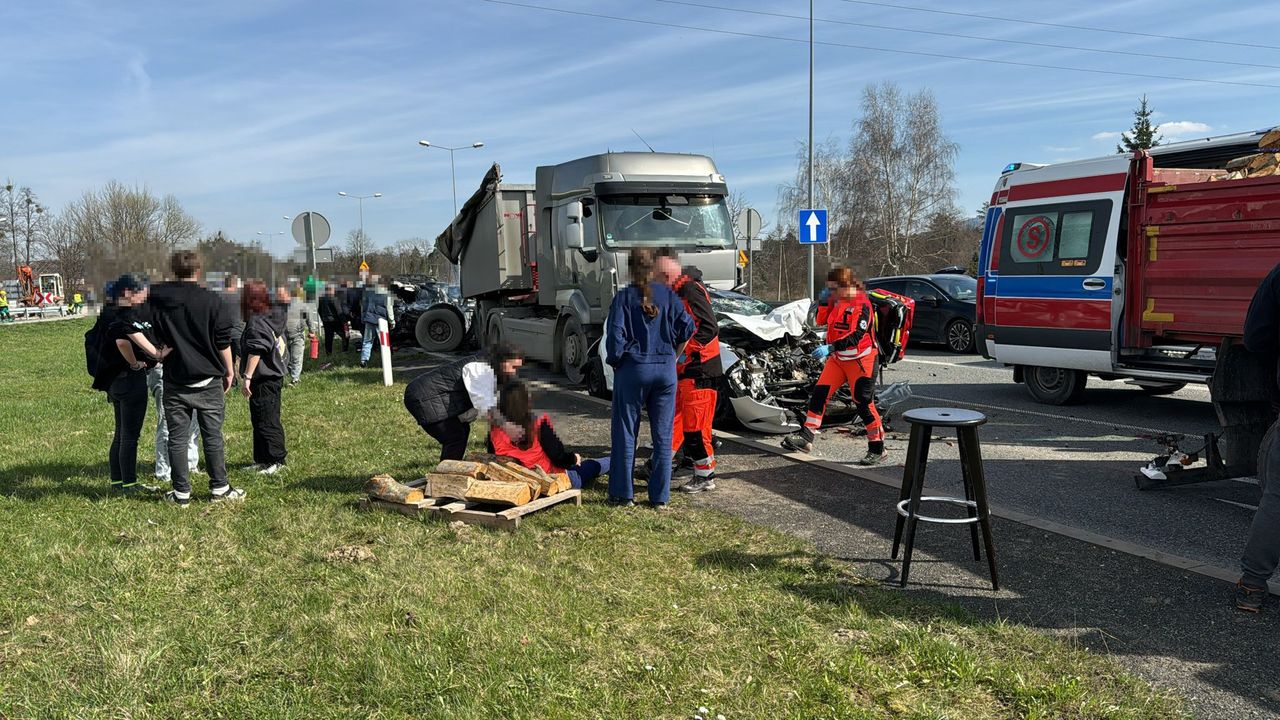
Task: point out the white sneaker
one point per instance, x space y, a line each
271 469
232 493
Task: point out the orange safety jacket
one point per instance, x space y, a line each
702 354
849 326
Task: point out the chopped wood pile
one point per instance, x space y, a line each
1260 164
493 480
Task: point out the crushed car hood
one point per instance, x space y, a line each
782 321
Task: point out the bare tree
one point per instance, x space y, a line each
128 228
68 250
30 222
358 245
9 208
899 148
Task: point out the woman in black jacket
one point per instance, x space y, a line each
128 350
447 399
264 367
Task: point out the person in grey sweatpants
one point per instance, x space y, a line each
155 386
1262 551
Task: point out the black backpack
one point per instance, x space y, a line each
93 338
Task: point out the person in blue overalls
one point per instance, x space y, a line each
647 330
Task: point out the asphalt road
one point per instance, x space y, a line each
1074 465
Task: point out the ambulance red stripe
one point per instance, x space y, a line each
1051 313
1073 186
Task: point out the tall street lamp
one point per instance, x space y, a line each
453 175
361 199
267 237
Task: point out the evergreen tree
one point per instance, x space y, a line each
1143 134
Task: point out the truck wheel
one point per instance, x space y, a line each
1158 390
439 330
495 333
573 350
1264 454
1055 386
960 337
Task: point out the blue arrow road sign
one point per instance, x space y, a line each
813 227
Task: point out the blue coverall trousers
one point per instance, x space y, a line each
651 387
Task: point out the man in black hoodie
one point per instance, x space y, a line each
198 371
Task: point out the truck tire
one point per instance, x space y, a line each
439 330
1159 390
1055 386
494 334
573 350
1264 454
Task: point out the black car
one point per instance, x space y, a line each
945 306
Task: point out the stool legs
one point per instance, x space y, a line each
917 458
971 510
971 458
917 489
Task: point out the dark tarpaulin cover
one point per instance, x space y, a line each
454 238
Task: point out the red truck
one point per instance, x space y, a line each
1141 267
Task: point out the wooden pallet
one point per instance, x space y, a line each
449 509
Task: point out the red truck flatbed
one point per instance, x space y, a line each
1197 252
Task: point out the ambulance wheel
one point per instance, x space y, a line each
960 336
495 332
1158 390
1264 454
1055 386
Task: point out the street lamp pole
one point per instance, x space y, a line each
800 230
269 236
453 178
361 199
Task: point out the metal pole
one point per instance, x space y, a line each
810 292
363 240
453 180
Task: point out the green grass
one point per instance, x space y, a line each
119 608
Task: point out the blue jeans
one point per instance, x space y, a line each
370 339
651 387
155 384
587 470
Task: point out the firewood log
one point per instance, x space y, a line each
450 486
385 487
462 467
500 493
1271 140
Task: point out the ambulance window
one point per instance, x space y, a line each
1035 235
1076 229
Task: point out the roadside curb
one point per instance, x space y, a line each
1176 562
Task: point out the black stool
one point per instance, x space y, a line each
966 422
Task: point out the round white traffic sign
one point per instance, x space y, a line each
314 223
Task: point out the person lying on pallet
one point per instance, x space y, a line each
519 433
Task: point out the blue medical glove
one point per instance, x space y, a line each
684 358
824 296
821 352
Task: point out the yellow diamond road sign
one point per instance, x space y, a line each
364 266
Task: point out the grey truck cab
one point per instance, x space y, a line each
543 261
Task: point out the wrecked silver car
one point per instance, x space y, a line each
769 368
430 314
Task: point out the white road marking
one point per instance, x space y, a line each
1051 416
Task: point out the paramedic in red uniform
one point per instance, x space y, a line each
698 373
851 358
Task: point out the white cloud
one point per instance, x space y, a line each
1105 136
1182 128
1053 148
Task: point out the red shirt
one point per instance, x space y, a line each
849 325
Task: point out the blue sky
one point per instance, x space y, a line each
248 110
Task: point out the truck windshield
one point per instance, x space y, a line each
666 220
